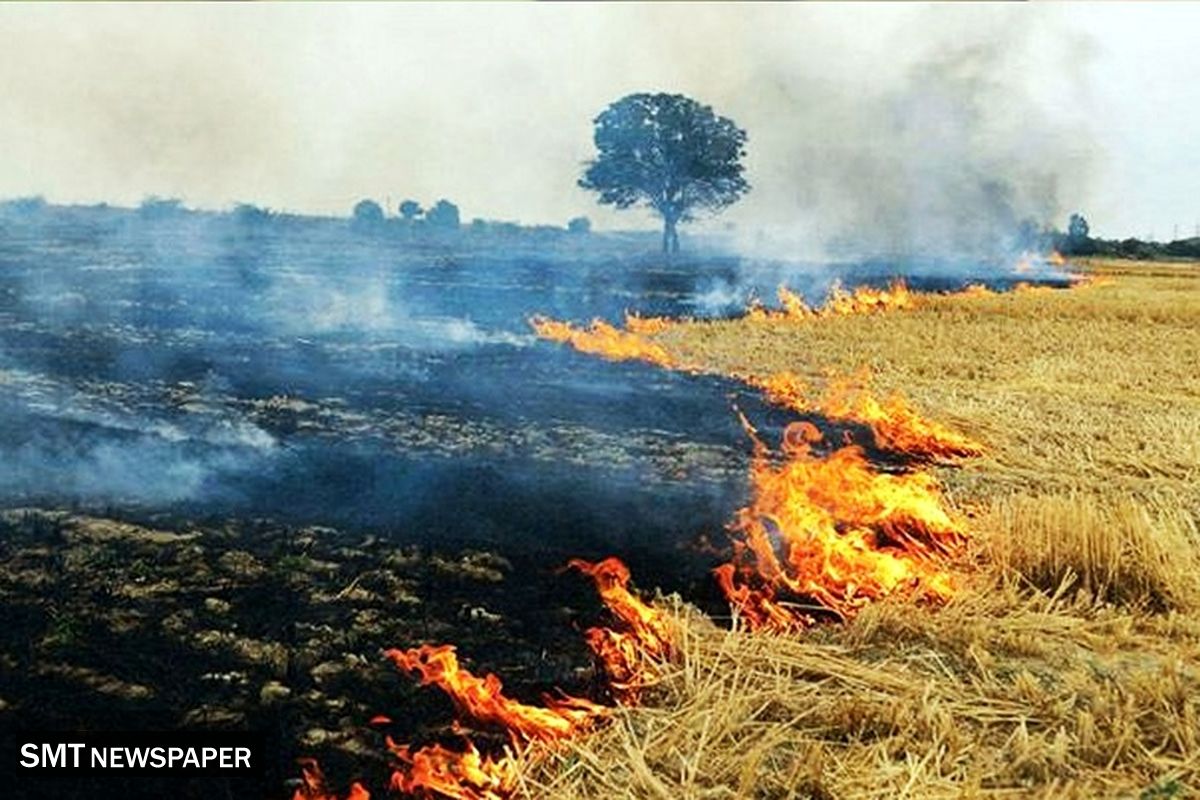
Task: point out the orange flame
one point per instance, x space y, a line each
793 304
895 425
646 638
312 786
603 339
833 532
483 699
470 775
466 775
840 302
865 300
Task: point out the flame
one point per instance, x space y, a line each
312 784
603 339
840 302
470 775
626 655
465 775
483 699
833 532
793 304
865 300
821 535
894 424
1056 259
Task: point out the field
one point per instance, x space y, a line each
246 461
1069 663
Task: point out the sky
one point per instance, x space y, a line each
857 114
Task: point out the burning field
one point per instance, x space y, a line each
889 539
1021 623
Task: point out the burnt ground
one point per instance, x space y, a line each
161 625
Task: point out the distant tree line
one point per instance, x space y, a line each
1078 241
441 222
443 216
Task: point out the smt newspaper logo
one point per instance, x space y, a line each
233 753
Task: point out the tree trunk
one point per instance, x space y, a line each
670 240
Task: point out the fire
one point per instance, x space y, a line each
1056 259
832 533
821 535
603 339
793 304
465 775
626 654
312 784
894 424
468 774
483 699
865 300
840 302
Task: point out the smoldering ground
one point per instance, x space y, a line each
318 373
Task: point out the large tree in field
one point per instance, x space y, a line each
669 153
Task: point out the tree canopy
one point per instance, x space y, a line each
669 153
444 214
368 212
410 210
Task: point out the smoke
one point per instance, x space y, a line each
966 143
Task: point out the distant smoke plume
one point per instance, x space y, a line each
954 149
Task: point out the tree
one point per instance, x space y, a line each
579 225
367 212
410 210
1077 228
1077 241
444 214
669 153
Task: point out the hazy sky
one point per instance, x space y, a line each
310 107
